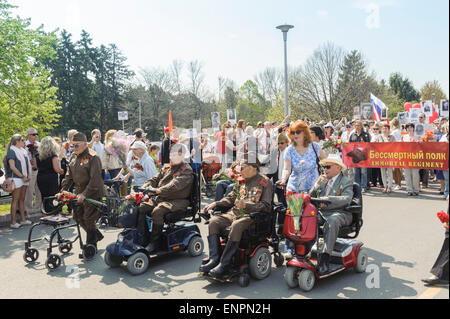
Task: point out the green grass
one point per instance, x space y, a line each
4 209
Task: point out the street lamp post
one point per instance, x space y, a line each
140 121
285 28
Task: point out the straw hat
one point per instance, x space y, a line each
334 159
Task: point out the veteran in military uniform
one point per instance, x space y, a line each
85 172
255 192
338 189
172 188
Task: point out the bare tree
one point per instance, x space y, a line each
314 88
270 83
176 71
196 77
159 77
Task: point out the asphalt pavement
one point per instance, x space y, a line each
401 234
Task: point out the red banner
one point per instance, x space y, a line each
425 155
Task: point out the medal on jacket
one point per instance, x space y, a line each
84 161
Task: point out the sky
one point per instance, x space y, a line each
237 39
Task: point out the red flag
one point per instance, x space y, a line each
170 122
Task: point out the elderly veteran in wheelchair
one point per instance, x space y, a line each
255 192
335 187
171 189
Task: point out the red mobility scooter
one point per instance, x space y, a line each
301 270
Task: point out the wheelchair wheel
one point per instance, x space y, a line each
195 247
361 261
261 264
137 264
89 252
306 280
65 247
53 261
31 255
291 276
113 261
244 280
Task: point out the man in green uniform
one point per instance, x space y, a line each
255 196
172 188
85 172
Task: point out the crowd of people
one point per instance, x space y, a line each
288 154
293 155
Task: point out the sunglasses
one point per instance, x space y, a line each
326 166
35 134
281 143
298 132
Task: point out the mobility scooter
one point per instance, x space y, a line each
179 234
347 253
58 223
253 258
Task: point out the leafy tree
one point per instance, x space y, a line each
251 104
27 98
403 87
430 88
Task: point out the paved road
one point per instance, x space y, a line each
402 235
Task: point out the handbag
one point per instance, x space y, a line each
8 185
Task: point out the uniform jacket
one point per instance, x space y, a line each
174 182
85 171
340 195
257 193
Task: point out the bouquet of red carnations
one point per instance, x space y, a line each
443 217
67 197
238 180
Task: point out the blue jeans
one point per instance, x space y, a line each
361 177
223 188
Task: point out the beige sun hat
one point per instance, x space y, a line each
334 159
138 145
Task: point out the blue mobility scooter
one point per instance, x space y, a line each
179 234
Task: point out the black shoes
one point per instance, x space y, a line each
435 282
324 264
225 261
214 254
155 236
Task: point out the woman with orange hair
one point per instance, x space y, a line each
301 162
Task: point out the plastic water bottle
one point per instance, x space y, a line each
149 223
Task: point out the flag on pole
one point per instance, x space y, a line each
170 122
378 105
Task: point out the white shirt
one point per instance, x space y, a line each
37 144
346 136
98 148
281 164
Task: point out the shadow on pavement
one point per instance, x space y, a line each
346 284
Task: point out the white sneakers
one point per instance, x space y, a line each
17 225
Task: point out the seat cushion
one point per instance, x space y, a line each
174 217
